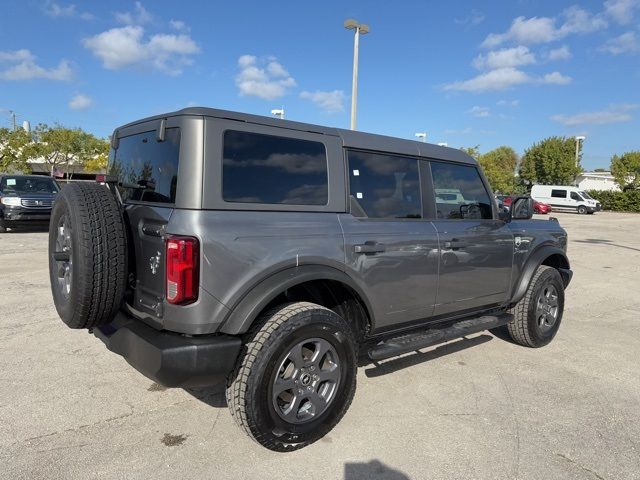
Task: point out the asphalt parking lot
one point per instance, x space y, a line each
477 408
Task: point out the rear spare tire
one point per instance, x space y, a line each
87 255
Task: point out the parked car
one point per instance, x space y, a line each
565 197
274 255
540 207
25 200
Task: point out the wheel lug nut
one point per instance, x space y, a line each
312 368
300 391
309 387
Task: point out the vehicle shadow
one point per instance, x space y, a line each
373 470
600 241
393 365
213 395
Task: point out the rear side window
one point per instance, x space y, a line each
148 168
459 192
559 193
269 169
385 186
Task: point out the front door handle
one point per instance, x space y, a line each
369 248
455 244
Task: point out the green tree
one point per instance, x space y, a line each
68 149
14 151
551 162
499 166
472 151
626 170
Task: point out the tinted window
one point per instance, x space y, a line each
586 195
385 186
274 170
459 192
21 185
559 193
151 165
575 196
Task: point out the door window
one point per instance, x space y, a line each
268 169
385 186
575 196
559 193
459 192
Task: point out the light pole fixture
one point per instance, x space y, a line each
278 112
579 138
359 29
422 136
443 144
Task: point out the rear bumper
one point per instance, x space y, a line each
168 358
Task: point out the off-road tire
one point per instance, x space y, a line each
582 209
98 253
249 386
524 328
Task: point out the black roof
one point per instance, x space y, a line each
350 138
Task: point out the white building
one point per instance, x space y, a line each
596 181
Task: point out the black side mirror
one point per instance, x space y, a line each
522 208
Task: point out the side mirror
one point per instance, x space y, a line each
522 208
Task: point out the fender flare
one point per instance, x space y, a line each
244 313
533 262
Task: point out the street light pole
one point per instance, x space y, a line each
359 28
422 136
579 138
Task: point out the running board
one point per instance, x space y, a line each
415 341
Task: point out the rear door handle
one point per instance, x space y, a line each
368 248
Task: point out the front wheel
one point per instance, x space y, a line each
537 317
295 378
582 209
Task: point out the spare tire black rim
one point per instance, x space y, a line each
63 257
306 381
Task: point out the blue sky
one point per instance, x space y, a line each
466 73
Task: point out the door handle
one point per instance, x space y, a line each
369 248
455 244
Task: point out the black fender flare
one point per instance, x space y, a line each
244 313
533 262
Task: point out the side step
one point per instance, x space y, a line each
415 341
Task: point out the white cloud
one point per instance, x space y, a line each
508 103
331 102
614 114
56 10
556 78
80 102
475 17
534 30
504 78
266 79
453 131
507 57
621 11
22 66
477 111
561 53
179 25
139 16
625 43
126 47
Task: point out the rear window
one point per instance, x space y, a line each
147 168
269 169
24 185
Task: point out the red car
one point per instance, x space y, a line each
538 207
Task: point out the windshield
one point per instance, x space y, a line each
586 195
25 185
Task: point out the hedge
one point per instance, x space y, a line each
628 201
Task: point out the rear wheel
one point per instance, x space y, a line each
537 317
582 209
87 255
295 378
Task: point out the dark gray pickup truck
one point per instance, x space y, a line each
276 256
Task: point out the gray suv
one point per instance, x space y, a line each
276 256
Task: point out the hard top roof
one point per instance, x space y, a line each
350 138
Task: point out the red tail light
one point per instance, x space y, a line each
182 270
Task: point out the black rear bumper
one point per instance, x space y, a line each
171 359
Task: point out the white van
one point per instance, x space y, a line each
561 196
